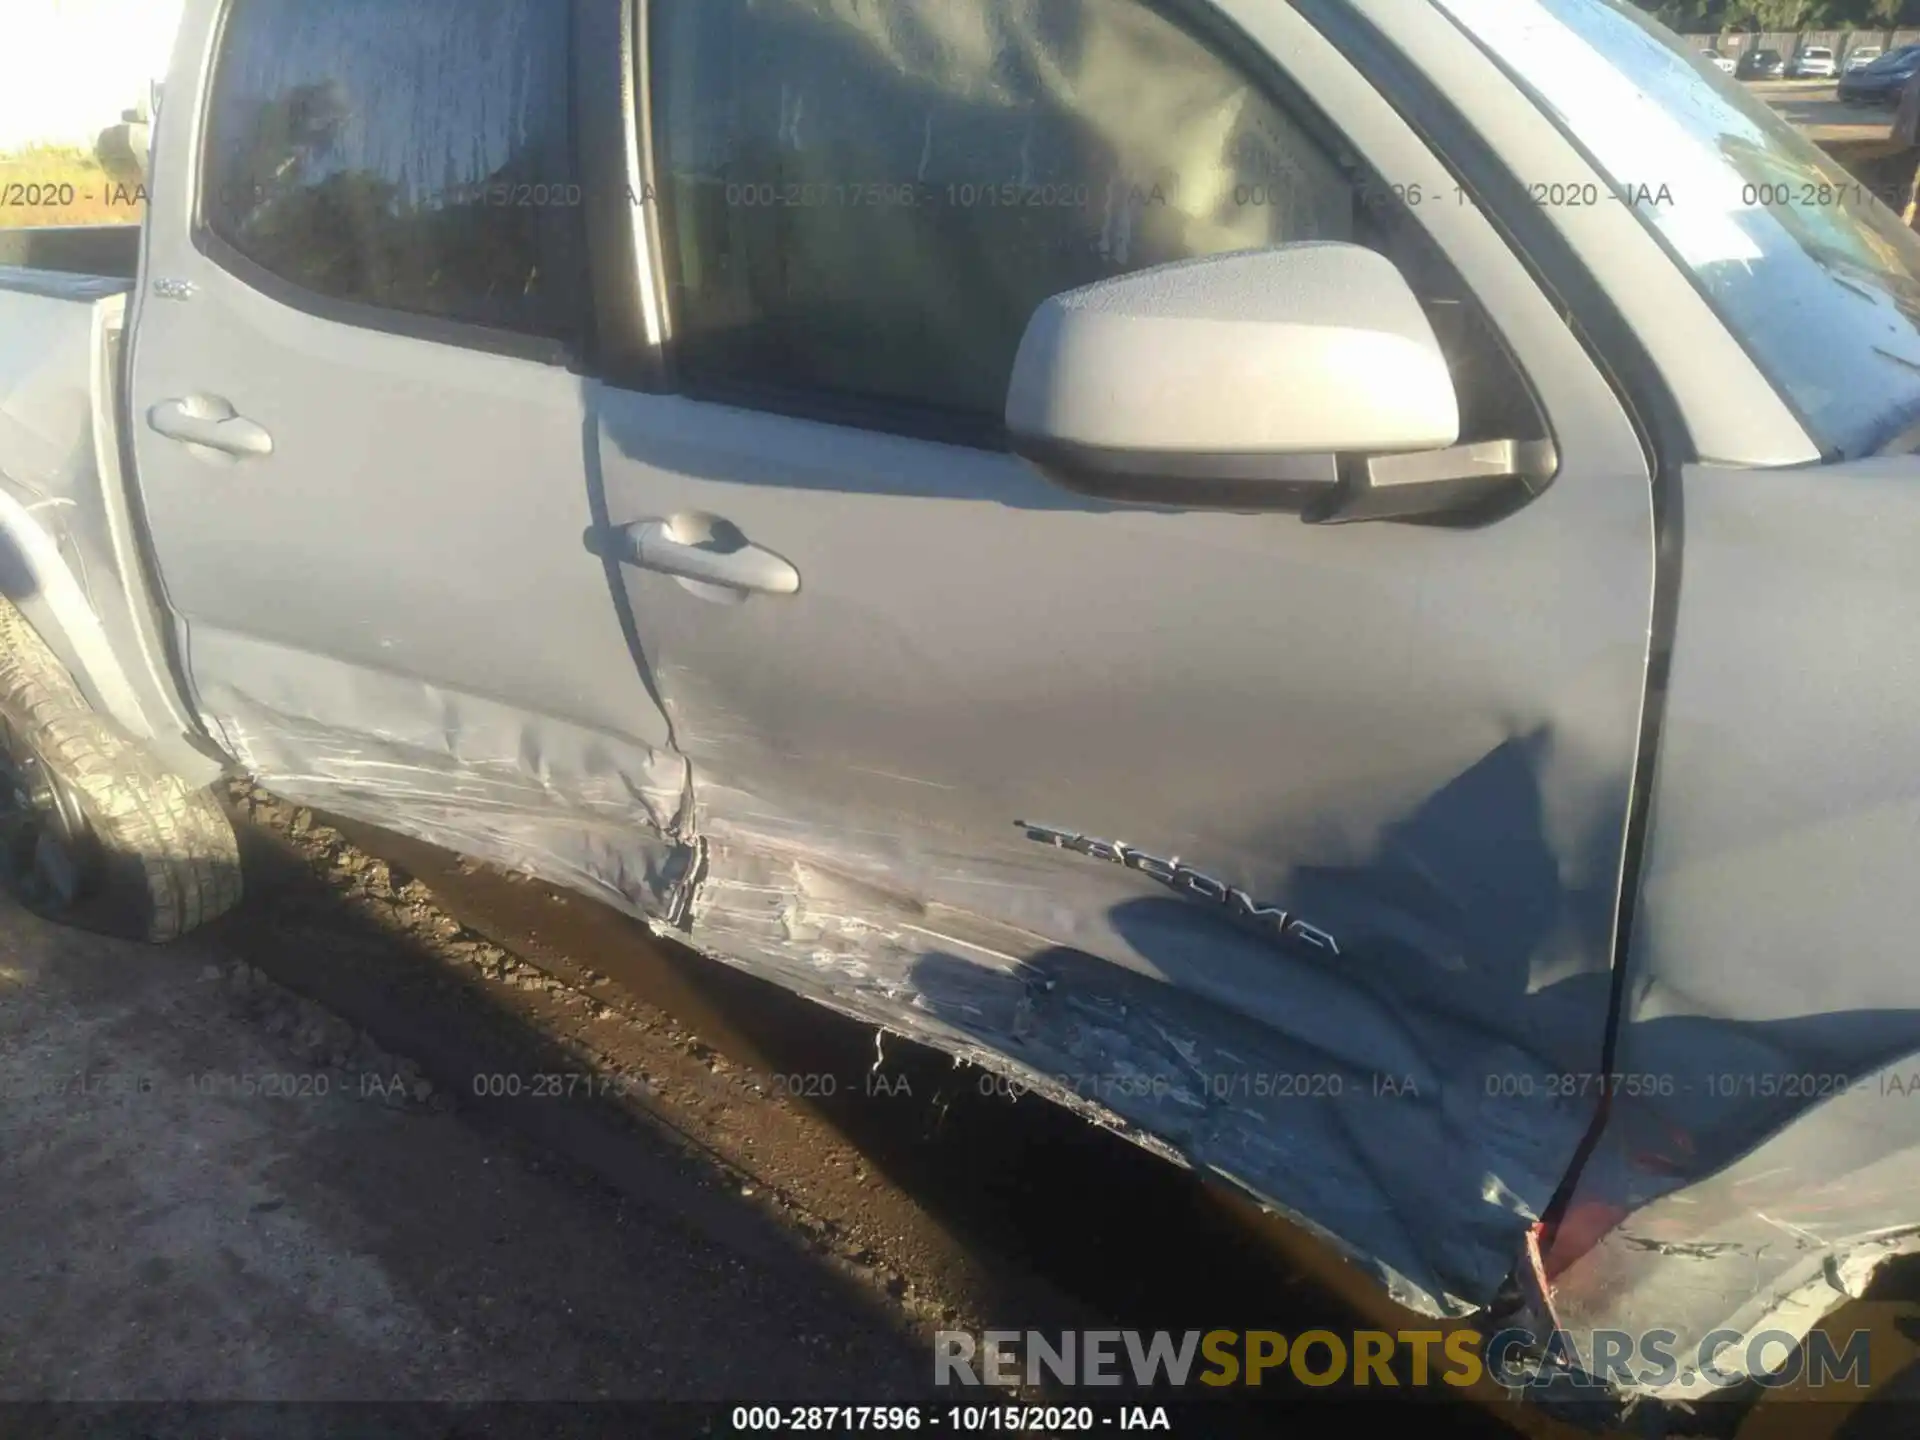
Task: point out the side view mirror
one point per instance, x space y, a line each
122 151
1304 377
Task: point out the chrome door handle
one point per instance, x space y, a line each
206 422
708 551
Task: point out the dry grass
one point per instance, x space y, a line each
57 185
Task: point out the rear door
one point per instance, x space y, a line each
359 418
1417 742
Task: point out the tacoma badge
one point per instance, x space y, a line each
1188 881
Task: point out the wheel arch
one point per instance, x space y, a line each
36 578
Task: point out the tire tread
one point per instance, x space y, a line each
187 852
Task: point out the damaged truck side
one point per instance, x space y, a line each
1327 582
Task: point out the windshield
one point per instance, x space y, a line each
1817 278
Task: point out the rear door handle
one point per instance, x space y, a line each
206 423
706 551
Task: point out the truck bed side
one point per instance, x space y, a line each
91 251
71 550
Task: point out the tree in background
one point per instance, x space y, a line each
1768 14
1887 14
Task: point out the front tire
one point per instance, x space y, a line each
93 831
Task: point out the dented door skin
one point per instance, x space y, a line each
1033 777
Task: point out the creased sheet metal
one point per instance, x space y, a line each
1763 1154
580 808
1359 1153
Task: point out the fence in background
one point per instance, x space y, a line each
1789 43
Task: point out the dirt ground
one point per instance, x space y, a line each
214 1189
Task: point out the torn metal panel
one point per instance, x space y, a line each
1359 1126
598 813
1760 1159
1771 1243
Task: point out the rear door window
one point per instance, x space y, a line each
409 155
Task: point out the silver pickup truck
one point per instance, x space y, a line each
1329 583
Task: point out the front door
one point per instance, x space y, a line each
1294 846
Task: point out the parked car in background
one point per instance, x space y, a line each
1722 63
1879 82
1760 65
1862 56
1815 62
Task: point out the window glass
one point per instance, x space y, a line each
868 198
409 154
